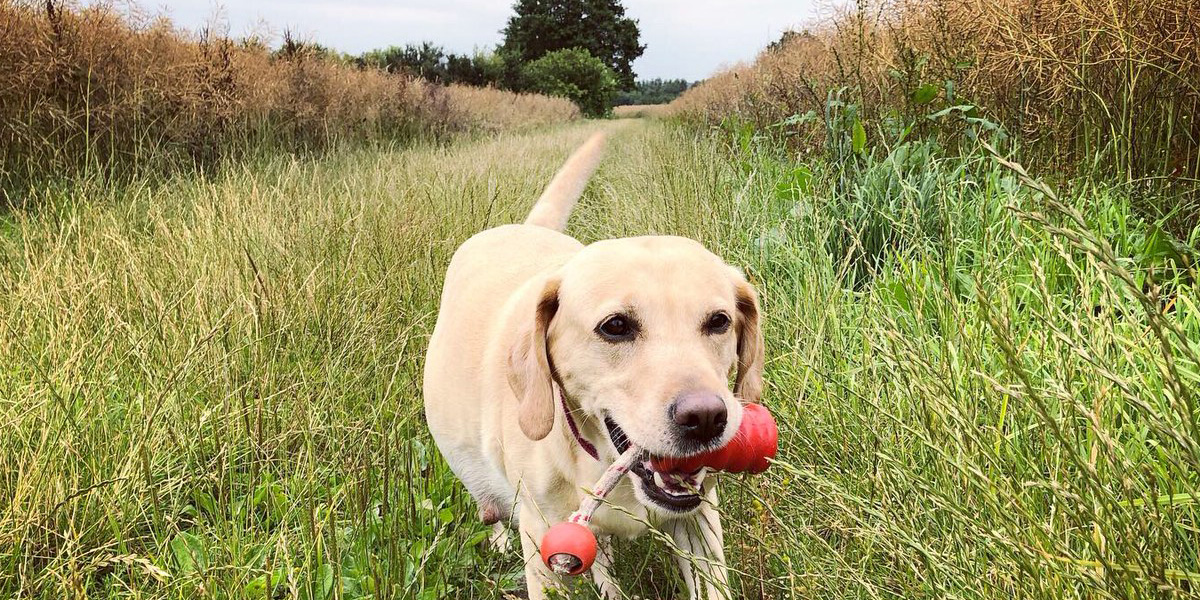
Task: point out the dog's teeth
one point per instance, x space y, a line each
658 480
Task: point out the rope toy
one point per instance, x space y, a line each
569 548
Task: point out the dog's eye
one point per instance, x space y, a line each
717 323
617 328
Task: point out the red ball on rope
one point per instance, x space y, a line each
569 548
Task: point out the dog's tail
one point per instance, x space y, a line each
555 204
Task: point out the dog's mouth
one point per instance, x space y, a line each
674 491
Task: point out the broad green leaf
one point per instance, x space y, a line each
963 108
324 580
859 141
925 94
795 184
188 551
899 294
205 502
477 538
797 119
257 588
984 123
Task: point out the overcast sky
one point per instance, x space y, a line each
683 38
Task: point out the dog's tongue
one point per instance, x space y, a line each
750 450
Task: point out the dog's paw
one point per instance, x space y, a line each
500 540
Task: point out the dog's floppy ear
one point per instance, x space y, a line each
529 373
748 385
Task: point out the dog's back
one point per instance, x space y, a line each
483 284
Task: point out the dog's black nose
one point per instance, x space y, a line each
699 416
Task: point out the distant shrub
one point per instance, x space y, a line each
652 91
432 63
541 27
574 74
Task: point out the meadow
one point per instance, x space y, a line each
982 350
211 386
116 93
1090 89
639 111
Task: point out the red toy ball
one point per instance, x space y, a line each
569 548
756 441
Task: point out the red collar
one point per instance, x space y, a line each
586 445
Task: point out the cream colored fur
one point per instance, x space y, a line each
518 319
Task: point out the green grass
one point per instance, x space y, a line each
211 387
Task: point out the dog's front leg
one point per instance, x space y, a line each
538 578
700 551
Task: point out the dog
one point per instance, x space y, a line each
549 358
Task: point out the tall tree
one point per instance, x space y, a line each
598 26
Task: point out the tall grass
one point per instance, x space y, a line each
996 376
212 387
1088 86
638 111
96 92
986 389
1001 410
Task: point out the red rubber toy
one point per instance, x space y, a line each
569 548
756 441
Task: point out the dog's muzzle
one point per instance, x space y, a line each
674 491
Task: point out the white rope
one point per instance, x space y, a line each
612 476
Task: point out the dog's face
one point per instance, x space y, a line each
642 334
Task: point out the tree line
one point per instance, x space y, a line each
579 49
652 91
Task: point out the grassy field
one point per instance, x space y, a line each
211 386
637 111
1089 88
113 91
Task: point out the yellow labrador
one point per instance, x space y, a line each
550 357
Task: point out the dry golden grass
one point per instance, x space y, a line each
1080 79
491 109
86 88
641 111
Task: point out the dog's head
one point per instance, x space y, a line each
642 334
